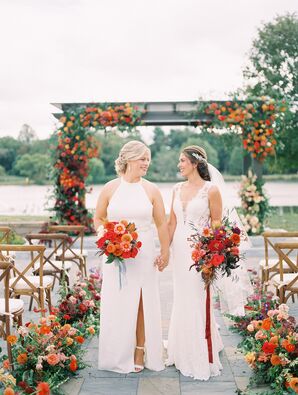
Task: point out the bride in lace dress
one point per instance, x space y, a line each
198 201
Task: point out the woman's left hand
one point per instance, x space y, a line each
162 261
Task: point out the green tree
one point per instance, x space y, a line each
164 165
159 140
9 148
36 167
273 71
97 171
235 164
2 171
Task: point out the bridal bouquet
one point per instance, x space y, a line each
118 241
216 250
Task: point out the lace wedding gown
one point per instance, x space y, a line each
119 307
187 345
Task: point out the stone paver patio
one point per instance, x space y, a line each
235 374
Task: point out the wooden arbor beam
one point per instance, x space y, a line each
180 113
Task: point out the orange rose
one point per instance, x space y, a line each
53 359
275 360
80 339
124 222
22 358
274 340
284 343
294 384
44 330
12 339
43 388
134 235
126 238
290 347
266 324
73 366
111 248
6 364
8 391
235 238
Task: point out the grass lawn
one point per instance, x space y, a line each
23 218
287 221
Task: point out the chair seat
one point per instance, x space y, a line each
287 278
47 267
21 284
271 263
15 305
69 254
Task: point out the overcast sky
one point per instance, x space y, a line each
121 50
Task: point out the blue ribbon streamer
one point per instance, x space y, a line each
122 272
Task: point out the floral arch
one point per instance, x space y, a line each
74 142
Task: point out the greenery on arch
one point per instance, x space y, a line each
73 146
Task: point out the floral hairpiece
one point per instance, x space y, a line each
198 157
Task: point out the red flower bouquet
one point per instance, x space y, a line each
216 250
118 241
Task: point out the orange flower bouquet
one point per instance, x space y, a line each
118 241
216 250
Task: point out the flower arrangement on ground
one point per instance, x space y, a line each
271 349
79 305
118 241
216 250
45 355
257 306
254 204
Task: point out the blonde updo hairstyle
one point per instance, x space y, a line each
132 150
197 155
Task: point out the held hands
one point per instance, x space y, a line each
161 261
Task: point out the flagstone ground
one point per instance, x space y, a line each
235 374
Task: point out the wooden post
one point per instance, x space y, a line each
257 167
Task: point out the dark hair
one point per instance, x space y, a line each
197 155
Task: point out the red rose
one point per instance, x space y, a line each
83 308
139 244
216 260
215 245
67 317
101 242
134 252
126 254
269 348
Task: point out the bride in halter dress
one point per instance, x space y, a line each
130 321
198 201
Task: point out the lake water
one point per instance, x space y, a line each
33 199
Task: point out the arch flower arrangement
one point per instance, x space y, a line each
73 145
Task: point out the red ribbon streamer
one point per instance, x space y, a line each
208 325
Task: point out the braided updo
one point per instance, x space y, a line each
132 150
197 155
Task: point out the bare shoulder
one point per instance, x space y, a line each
110 186
213 191
151 189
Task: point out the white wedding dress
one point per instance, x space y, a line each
187 345
119 307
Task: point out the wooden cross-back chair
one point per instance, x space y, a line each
76 235
9 308
270 266
286 283
5 235
24 282
51 267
